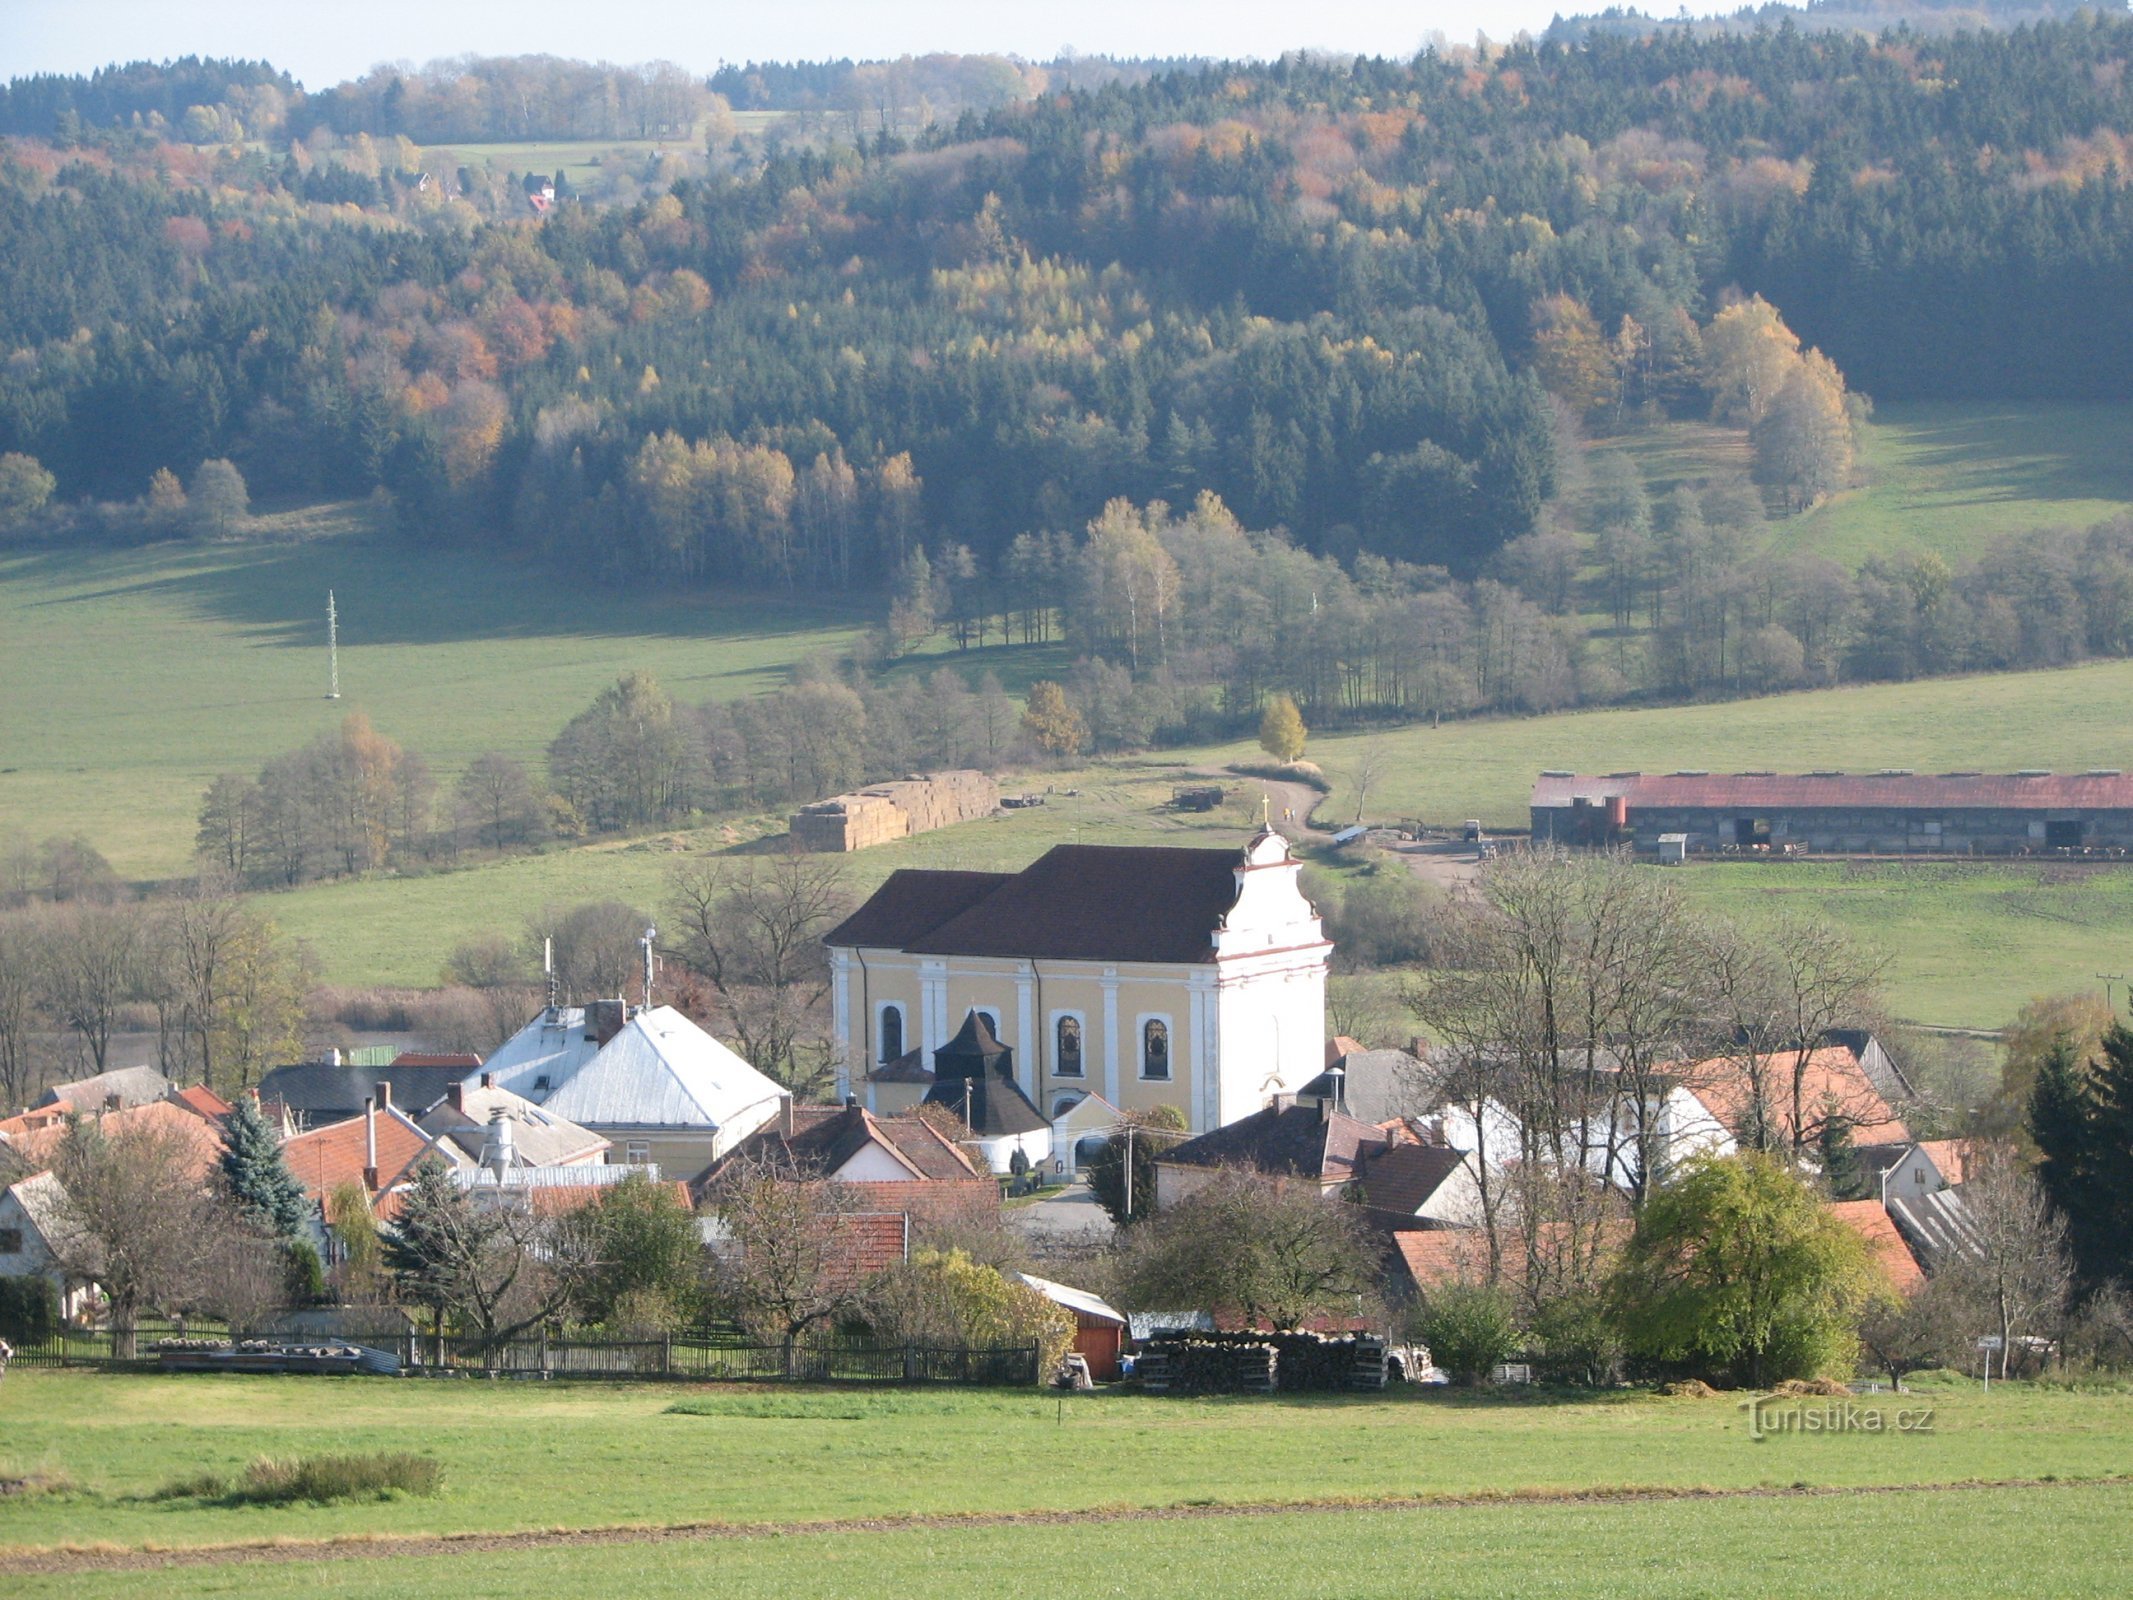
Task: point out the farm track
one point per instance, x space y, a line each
69 1560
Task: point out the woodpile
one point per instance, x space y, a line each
1263 1363
894 810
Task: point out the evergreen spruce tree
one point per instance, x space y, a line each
259 1180
2110 1159
1841 1168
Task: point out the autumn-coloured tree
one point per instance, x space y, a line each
1573 360
1803 440
218 499
1051 723
1748 353
1281 729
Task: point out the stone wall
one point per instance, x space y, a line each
894 810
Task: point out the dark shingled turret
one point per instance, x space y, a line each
976 1064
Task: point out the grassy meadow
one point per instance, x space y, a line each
129 678
2065 1540
623 1454
1936 476
132 677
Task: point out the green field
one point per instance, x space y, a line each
132 677
1933 476
521 1457
1968 945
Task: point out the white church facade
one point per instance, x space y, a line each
1146 975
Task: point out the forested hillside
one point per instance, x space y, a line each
1369 303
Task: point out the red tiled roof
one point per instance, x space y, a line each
1461 1255
1950 1157
325 1158
1832 1078
1808 791
38 1146
559 1199
202 1101
1871 1222
865 1245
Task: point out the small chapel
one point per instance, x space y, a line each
1146 975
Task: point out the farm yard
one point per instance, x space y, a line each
1505 1494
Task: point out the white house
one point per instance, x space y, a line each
1147 975
652 1082
32 1238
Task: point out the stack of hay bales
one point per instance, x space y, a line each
894 810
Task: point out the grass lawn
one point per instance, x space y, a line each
132 677
399 930
2066 721
2059 1540
1968 945
605 1456
1945 477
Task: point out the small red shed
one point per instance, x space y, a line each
1099 1331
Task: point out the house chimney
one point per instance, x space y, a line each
385 1094
500 1149
333 1055
113 1102
488 1080
370 1143
785 1117
1339 1075
456 1096
604 1019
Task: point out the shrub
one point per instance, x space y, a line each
1579 1342
29 1310
324 1479
1469 1328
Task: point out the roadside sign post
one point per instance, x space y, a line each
1988 1343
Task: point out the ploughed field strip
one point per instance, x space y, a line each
73 1559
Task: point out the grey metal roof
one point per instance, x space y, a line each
135 1086
1936 1226
540 1136
660 1071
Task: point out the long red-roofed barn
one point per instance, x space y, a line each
1892 812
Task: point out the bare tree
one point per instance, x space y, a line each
22 1003
139 1215
783 1267
754 935
93 965
494 1264
1779 996
1276 1250
1372 762
2011 1272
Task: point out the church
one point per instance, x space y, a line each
1146 975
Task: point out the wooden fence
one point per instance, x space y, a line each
701 1355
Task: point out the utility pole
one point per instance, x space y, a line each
1129 1171
649 935
2110 978
333 649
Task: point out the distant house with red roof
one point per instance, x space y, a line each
377 1151
1869 1219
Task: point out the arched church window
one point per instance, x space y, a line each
1155 1048
1069 1053
892 1032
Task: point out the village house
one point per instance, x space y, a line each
653 1083
314 1094
1148 975
33 1240
487 1125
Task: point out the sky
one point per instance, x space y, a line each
322 42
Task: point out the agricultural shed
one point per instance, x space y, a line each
1893 812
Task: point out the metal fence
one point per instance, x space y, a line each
702 1355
